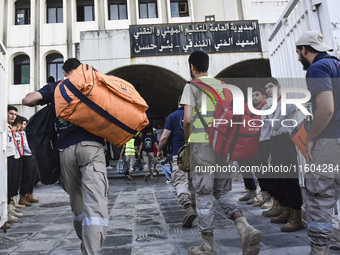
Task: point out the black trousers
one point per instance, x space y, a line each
248 178
13 177
285 187
261 159
28 168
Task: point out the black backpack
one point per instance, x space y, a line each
41 137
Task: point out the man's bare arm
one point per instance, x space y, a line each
32 98
162 142
322 116
323 113
187 121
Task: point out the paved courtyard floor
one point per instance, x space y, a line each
145 219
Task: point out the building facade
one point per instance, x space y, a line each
40 35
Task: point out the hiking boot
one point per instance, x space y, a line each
207 247
250 236
268 204
15 203
276 210
10 209
294 223
245 197
11 218
318 250
5 226
264 198
251 200
283 217
130 176
31 199
23 200
189 216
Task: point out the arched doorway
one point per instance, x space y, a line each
243 74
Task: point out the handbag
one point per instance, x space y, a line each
122 167
183 158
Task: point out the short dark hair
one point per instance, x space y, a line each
11 107
18 121
24 119
50 79
200 60
308 48
71 64
272 80
259 89
148 129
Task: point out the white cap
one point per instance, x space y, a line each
315 40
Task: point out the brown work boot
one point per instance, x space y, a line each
246 197
283 217
23 200
130 176
15 203
250 236
264 198
294 223
31 199
5 226
318 250
207 247
189 216
251 200
274 211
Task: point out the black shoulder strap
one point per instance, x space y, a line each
97 108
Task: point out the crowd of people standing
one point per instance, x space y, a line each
83 161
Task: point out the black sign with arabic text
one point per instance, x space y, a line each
150 40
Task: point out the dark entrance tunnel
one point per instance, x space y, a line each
248 73
161 87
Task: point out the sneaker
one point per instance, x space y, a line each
168 181
109 167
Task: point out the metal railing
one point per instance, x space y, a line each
268 11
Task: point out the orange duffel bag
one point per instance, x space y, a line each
104 105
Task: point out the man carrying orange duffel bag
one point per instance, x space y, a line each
82 158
